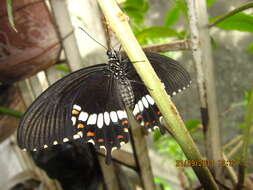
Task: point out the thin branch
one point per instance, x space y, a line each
119 24
231 13
171 46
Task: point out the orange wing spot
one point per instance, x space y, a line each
125 122
90 134
75 112
158 113
101 140
80 126
120 137
139 117
147 124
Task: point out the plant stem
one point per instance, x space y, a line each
119 24
246 139
6 111
231 13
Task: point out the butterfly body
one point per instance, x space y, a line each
90 104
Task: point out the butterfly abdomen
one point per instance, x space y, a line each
126 92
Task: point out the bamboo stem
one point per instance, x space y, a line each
119 24
202 56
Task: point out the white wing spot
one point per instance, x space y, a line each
145 102
113 116
100 121
92 119
25 149
179 90
45 146
55 143
76 107
65 140
136 110
174 93
113 148
156 127
150 99
107 118
91 141
80 133
126 130
34 149
83 116
122 143
121 114
73 120
184 88
76 136
103 147
140 106
149 130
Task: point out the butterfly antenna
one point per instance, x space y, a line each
93 38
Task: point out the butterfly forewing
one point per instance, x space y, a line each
47 121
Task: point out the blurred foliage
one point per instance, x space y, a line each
161 182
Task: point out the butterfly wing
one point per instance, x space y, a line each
175 79
84 104
47 120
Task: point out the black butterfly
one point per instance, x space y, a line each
90 104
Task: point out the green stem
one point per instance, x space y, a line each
6 111
119 24
248 118
231 13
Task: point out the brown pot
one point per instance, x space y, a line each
34 47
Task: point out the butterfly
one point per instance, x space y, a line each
90 104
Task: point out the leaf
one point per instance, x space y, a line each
10 14
7 111
240 21
183 7
172 16
192 124
156 32
210 2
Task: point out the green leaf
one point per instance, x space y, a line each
192 124
10 14
240 21
183 7
210 2
7 111
156 32
172 16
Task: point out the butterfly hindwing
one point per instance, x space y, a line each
173 76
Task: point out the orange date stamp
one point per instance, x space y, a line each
205 163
